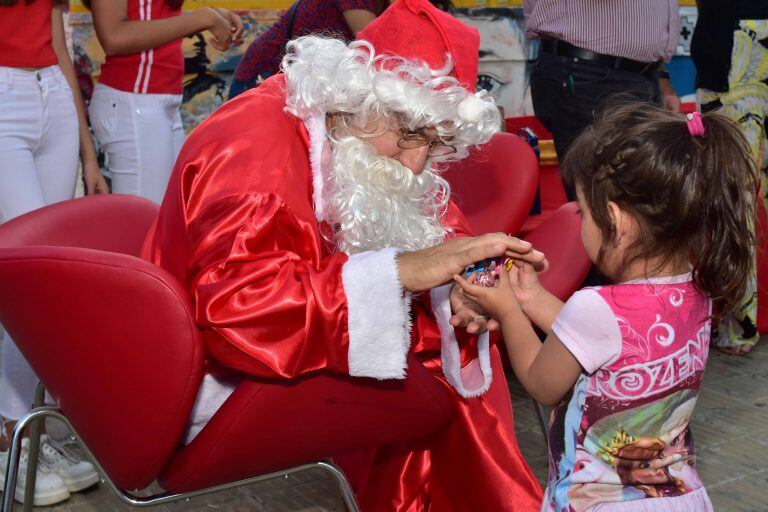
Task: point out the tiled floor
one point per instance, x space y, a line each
730 426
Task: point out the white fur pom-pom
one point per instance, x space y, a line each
471 109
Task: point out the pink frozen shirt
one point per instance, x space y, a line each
621 441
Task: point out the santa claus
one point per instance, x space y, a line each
305 216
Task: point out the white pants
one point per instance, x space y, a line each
38 166
141 135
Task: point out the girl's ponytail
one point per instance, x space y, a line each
727 175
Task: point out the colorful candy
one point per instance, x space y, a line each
487 270
485 278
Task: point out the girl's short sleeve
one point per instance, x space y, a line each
345 5
589 330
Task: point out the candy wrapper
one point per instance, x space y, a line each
486 271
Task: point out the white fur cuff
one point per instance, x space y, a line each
379 315
475 378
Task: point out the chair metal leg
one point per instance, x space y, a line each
14 454
542 422
39 413
34 451
346 491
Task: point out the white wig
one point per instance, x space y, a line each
326 76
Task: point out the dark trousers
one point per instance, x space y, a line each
567 93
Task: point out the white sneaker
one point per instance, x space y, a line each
76 473
49 487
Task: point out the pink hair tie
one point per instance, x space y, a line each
695 125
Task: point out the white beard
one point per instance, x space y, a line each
374 202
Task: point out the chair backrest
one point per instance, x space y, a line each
110 336
116 223
496 185
113 339
559 237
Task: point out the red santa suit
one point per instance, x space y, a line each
242 227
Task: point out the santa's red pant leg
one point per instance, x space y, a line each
473 465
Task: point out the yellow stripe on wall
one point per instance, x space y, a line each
246 5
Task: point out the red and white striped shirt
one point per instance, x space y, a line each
156 71
643 30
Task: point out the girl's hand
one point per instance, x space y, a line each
94 180
525 282
499 301
220 27
236 25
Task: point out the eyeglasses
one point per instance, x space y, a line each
417 139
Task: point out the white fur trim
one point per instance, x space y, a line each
317 139
379 315
471 108
475 378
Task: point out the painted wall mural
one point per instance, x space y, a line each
504 56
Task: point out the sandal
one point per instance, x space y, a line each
737 350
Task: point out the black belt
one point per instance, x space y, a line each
563 49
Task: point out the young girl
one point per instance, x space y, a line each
42 131
665 216
135 107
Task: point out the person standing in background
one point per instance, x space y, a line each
730 51
590 49
134 110
42 130
338 18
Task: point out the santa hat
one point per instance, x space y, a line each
414 60
417 30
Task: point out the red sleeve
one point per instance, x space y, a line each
267 305
270 302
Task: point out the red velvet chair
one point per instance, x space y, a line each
496 185
113 339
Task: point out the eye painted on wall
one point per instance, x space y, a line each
489 83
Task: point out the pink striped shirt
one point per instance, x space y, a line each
643 30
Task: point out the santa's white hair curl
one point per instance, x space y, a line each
326 76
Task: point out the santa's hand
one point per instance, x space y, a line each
427 268
468 314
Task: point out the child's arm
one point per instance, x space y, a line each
120 36
94 180
538 304
547 371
